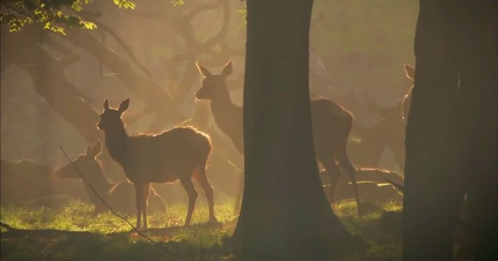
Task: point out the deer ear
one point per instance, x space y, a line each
410 71
89 149
124 106
203 71
227 70
106 104
96 149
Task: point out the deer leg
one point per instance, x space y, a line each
188 185
344 162
145 198
139 203
335 174
238 197
208 191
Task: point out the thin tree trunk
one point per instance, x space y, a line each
285 214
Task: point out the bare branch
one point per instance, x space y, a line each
120 41
145 89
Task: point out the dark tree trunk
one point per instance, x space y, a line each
477 118
450 136
431 198
284 214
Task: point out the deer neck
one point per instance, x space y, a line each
225 113
96 180
116 142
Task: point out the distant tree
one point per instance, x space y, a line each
451 141
284 214
25 49
53 14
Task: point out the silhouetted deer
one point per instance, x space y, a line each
331 124
118 196
37 181
407 99
177 154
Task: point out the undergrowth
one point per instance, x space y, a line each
112 239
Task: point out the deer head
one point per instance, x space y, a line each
112 117
86 163
213 86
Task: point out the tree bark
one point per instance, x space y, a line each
477 118
451 118
284 214
430 198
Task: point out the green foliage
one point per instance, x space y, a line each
243 13
192 243
202 243
177 2
52 14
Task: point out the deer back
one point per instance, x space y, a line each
167 156
331 123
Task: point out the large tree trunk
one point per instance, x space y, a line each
285 214
477 111
450 136
431 198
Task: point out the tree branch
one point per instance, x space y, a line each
145 89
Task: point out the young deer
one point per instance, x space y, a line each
331 124
177 154
37 181
407 99
118 196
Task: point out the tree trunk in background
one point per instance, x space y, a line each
450 136
284 214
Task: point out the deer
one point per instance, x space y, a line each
37 181
407 99
180 153
118 196
331 125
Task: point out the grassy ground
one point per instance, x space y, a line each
111 238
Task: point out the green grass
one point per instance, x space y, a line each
111 238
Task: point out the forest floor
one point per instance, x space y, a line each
74 234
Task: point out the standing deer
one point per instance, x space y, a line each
331 124
177 154
407 99
118 196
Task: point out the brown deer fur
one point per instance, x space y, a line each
331 124
36 180
118 196
177 154
407 99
